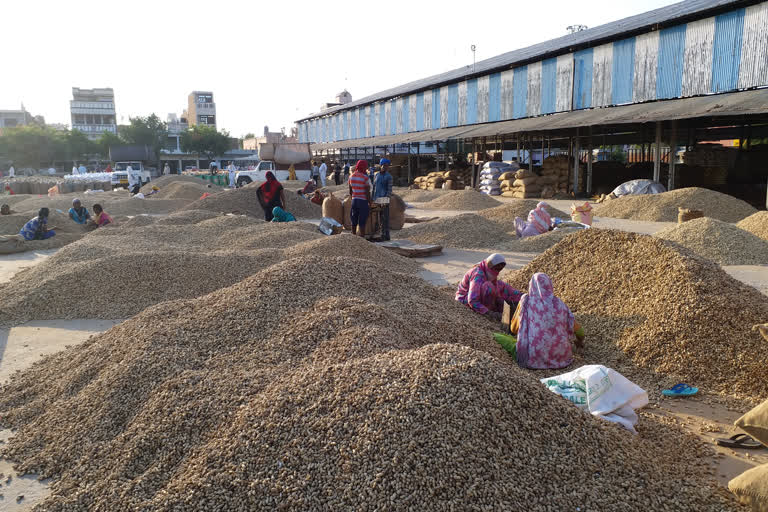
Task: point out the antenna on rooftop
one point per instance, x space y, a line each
473 48
572 29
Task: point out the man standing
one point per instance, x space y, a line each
360 191
346 171
75 172
166 169
323 172
83 169
232 171
382 187
316 173
11 172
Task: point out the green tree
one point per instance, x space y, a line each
108 139
79 145
150 131
205 140
248 135
34 146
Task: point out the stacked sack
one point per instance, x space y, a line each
525 184
556 173
432 181
453 181
490 182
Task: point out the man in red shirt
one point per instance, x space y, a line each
360 191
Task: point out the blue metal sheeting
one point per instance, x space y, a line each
720 53
548 86
726 54
623 71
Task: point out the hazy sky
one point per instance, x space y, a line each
267 63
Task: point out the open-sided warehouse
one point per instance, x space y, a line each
678 75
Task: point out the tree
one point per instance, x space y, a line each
108 139
248 135
205 140
149 131
34 146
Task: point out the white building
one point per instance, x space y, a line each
93 111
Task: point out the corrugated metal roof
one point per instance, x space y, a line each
717 105
668 15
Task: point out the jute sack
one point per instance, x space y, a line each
507 193
333 208
508 183
524 173
347 212
755 423
751 487
685 214
509 175
524 181
396 212
11 244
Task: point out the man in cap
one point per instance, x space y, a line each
483 292
382 187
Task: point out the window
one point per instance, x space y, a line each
205 98
206 120
10 122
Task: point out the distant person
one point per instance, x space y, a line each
134 182
82 169
37 227
102 219
318 198
75 170
79 213
360 191
8 190
11 172
316 173
232 172
270 194
5 210
336 169
383 188
346 171
108 169
309 187
166 169
323 172
482 291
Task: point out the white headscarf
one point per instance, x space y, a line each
494 259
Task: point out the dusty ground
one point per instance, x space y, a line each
23 345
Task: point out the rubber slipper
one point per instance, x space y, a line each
681 389
739 441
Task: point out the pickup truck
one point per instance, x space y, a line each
243 178
120 174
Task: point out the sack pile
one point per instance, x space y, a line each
448 180
490 182
524 184
556 173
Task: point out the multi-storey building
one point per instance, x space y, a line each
201 109
13 118
93 111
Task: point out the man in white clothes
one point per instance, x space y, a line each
75 172
166 169
323 172
232 170
11 172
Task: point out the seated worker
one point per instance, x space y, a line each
102 219
318 197
309 187
280 215
483 292
544 327
5 210
539 222
37 227
155 190
79 213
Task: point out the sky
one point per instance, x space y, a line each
267 63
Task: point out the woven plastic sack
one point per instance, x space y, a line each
582 213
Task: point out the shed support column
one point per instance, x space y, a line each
517 137
472 163
541 162
589 164
418 156
410 172
576 150
657 154
672 156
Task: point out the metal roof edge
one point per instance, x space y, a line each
670 14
